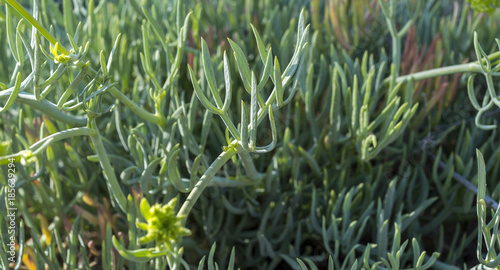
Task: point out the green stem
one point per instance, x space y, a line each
113 185
234 131
47 108
396 39
443 71
396 55
198 189
247 161
81 131
153 118
223 182
47 141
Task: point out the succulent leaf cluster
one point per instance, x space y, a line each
162 224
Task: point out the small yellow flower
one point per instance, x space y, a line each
59 58
163 226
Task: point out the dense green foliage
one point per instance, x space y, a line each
150 134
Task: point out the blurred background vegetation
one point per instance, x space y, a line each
343 187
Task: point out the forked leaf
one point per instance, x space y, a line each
272 145
19 44
211 257
104 66
10 35
302 264
300 28
260 45
267 71
76 37
72 87
201 263
54 76
253 114
173 172
110 59
26 44
13 95
310 161
243 67
145 43
481 55
68 16
201 96
481 174
278 83
231 260
74 46
37 63
209 72
227 80
244 127
156 27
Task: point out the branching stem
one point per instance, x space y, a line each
198 189
247 161
47 108
443 71
47 141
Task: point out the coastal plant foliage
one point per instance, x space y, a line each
322 134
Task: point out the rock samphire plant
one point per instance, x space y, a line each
222 134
